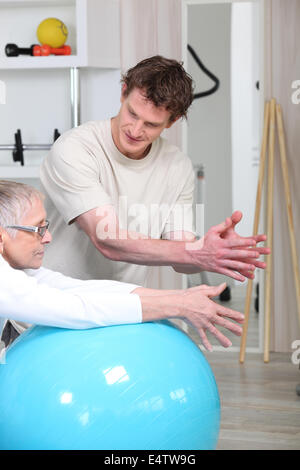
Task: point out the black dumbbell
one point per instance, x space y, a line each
18 155
12 50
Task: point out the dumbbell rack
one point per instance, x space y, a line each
18 147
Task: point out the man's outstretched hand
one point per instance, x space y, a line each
223 251
262 250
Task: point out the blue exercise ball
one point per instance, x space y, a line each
143 386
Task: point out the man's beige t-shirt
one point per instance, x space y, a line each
85 170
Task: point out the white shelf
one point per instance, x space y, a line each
30 3
16 172
93 27
38 62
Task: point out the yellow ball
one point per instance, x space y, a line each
53 32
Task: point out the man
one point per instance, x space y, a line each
116 188
30 293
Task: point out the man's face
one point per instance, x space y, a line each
26 250
138 124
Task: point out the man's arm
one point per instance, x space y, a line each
186 237
76 192
221 250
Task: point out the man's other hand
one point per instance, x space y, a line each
223 251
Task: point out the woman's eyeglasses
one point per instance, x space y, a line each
41 229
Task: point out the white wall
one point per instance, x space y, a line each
245 111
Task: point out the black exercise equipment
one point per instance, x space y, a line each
12 50
18 148
207 72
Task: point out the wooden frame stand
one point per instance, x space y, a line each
272 113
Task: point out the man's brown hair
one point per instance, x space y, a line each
164 82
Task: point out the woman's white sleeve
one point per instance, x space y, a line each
23 298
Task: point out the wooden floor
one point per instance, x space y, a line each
260 409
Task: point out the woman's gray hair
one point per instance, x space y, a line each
15 200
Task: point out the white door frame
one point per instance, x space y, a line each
264 7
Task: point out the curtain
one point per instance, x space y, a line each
284 68
149 27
